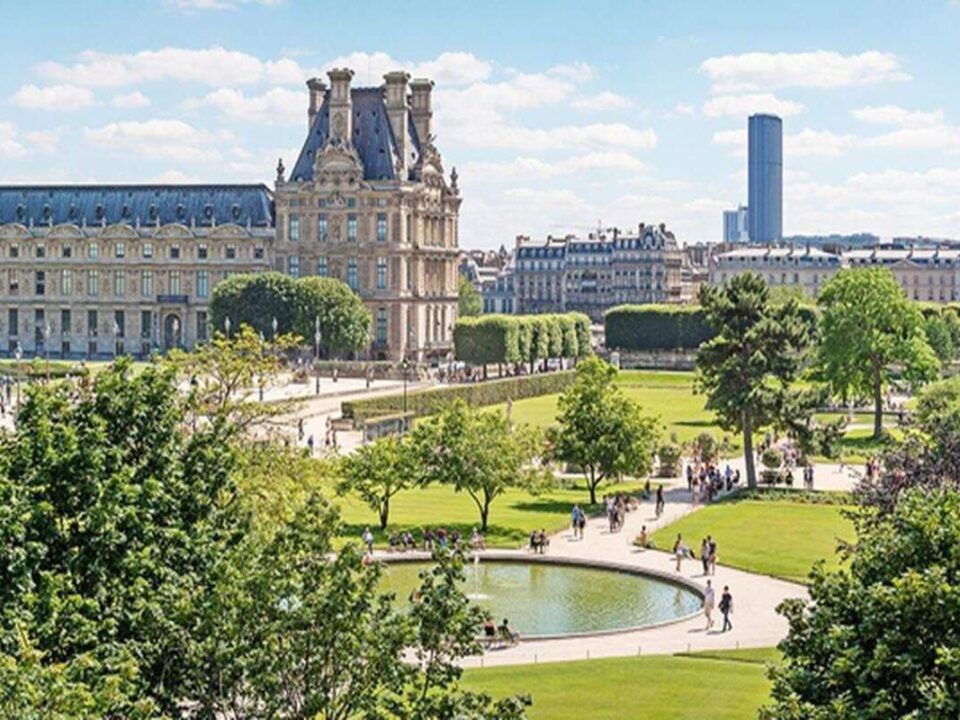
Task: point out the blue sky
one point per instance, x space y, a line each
557 115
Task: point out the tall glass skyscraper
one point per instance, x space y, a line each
765 179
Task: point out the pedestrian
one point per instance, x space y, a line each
310 444
705 555
300 430
368 540
678 551
689 477
712 552
660 501
575 516
726 607
709 601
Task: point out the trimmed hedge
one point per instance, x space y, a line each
426 402
30 369
656 327
495 339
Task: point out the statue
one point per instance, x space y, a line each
281 171
454 176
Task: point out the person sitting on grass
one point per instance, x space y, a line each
507 635
477 541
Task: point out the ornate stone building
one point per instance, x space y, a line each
367 202
89 271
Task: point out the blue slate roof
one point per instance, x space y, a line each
372 138
202 205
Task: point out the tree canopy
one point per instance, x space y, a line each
868 331
879 640
470 301
344 321
747 369
600 430
378 471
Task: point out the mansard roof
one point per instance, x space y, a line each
201 205
372 138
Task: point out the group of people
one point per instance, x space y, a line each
502 635
432 539
725 606
617 507
578 519
705 481
539 542
707 556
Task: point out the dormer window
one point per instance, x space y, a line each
153 212
181 211
99 212
208 211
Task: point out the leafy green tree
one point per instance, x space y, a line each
746 370
938 404
255 299
377 472
111 522
939 338
469 299
477 451
880 639
600 430
868 331
344 321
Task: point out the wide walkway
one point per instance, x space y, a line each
755 621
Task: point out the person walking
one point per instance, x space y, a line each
711 555
310 444
660 501
705 555
726 607
709 602
678 551
575 515
300 429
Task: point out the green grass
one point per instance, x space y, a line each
719 685
512 516
779 538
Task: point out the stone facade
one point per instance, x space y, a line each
802 267
594 274
367 202
90 271
131 283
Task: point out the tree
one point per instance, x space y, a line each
869 330
880 639
479 452
255 299
938 333
378 471
600 430
344 321
746 370
470 301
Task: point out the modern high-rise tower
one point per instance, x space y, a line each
765 178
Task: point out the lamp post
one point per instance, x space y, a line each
317 337
274 326
262 343
226 327
17 354
116 337
405 365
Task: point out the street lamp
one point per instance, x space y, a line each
226 327
317 337
116 336
17 354
405 365
274 326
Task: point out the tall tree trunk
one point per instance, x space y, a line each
484 514
384 513
877 403
748 451
593 488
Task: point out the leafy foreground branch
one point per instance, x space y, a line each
140 577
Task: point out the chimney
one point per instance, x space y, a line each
341 105
421 108
317 88
398 112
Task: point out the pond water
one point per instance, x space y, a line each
544 599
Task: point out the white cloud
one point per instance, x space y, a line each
744 105
898 116
216 4
277 106
14 144
531 168
805 143
596 135
821 69
682 108
602 101
173 139
449 68
939 137
174 177
578 72
130 101
54 97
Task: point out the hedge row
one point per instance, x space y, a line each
493 392
656 327
511 339
667 327
41 369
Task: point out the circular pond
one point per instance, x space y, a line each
543 599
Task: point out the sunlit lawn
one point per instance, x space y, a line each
720 685
780 538
512 516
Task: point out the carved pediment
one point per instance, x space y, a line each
173 231
119 231
65 230
14 231
338 163
230 230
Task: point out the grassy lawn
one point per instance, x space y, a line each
779 538
720 685
512 516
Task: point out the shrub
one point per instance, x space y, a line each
495 339
669 455
771 459
656 327
426 402
705 447
38 368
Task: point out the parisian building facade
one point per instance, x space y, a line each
96 270
594 274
